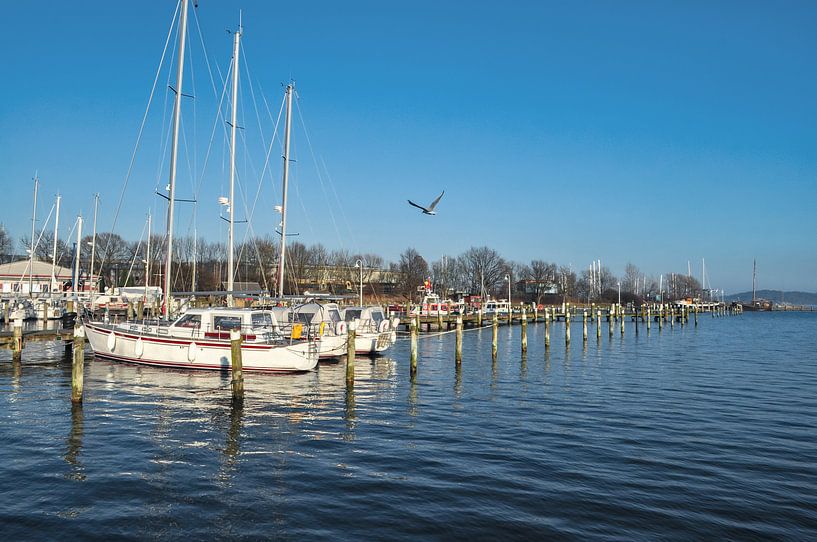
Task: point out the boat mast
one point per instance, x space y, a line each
288 126
93 245
173 154
754 279
78 251
230 251
33 222
54 250
147 262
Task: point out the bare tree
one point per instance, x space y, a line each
543 276
5 244
484 270
632 276
413 270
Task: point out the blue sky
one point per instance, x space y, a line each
655 133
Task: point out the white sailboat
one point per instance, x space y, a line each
375 333
199 338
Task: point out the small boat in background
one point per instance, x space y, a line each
375 333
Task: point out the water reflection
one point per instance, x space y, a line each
76 470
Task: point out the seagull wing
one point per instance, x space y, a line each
436 201
418 206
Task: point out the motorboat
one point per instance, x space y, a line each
322 321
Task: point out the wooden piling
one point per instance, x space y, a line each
672 317
237 367
567 327
696 316
584 326
413 335
479 317
524 322
494 335
598 324
17 340
458 345
440 319
547 330
610 322
649 319
351 332
621 320
78 364
130 310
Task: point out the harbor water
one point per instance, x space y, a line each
693 432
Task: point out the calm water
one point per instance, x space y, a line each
707 432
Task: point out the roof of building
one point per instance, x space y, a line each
41 270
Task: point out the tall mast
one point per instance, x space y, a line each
173 154
77 252
754 278
93 244
288 125
33 222
147 261
230 251
54 250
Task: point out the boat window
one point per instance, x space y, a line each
303 317
377 316
261 319
189 320
352 314
227 322
334 315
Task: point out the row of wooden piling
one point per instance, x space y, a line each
669 315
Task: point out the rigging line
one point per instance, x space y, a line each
135 252
339 203
314 161
144 119
34 249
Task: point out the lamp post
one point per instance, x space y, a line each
359 264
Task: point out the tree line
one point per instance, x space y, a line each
201 265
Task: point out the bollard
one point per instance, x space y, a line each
458 346
235 354
413 333
494 335
524 323
350 351
567 328
584 325
78 364
17 340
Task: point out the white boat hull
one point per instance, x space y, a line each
374 343
114 342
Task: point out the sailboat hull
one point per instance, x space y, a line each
113 342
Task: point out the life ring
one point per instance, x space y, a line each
191 351
383 327
111 341
348 285
139 348
340 328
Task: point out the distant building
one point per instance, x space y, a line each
14 278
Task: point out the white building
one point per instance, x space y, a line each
14 278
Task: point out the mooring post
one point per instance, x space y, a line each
440 318
479 317
648 319
696 316
621 320
237 367
17 340
413 336
78 364
524 322
672 317
547 329
610 321
494 335
584 325
567 327
458 346
535 312
350 351
598 324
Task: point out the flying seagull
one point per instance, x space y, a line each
430 210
